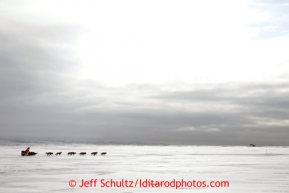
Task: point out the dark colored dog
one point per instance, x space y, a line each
49 153
58 153
94 153
103 153
71 153
82 153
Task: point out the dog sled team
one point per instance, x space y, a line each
73 153
28 153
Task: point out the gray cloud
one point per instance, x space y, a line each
259 109
77 116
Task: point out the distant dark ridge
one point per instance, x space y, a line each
26 141
9 141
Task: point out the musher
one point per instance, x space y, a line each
27 151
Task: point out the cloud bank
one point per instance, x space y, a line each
50 91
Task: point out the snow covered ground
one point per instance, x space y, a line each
256 170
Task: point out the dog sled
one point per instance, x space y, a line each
28 154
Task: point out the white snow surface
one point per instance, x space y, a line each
247 169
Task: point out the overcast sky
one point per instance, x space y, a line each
207 72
